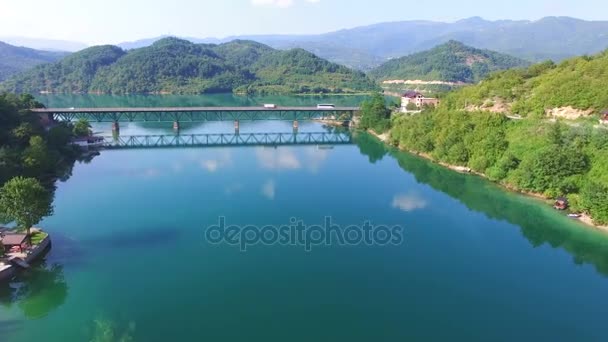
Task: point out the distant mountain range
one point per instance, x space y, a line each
14 60
366 47
44 44
172 65
449 62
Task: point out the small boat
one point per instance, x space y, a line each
574 215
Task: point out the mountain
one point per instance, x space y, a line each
573 88
449 62
14 60
174 65
45 44
366 47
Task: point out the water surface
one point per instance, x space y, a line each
129 254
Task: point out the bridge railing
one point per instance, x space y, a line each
228 139
199 114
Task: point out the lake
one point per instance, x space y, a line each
132 257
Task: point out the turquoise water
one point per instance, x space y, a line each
130 256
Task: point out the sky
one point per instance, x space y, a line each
115 21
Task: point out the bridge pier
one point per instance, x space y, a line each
295 126
237 126
115 127
176 126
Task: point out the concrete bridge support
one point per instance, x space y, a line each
237 126
295 126
115 127
176 126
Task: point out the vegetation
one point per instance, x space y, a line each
38 237
82 128
25 201
26 148
14 60
450 62
375 114
173 65
579 82
31 159
108 331
532 155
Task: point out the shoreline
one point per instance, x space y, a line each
202 94
585 219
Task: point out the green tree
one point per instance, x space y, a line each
37 156
411 106
82 128
375 114
594 199
25 201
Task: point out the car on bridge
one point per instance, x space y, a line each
326 106
270 106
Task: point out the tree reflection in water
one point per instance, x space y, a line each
37 291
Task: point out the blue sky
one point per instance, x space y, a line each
114 21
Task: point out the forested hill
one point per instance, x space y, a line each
173 65
449 62
579 83
14 59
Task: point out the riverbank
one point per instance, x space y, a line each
585 219
8 268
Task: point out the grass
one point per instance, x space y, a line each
38 237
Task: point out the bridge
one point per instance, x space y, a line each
197 114
227 139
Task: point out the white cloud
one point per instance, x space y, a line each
409 202
316 158
212 165
277 159
268 189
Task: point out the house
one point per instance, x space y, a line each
561 203
88 142
604 118
14 242
417 99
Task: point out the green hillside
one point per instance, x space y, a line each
449 62
14 59
578 82
535 154
173 65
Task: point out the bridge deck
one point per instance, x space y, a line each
190 109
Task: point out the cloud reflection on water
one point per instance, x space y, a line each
409 202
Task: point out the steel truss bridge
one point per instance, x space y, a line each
197 114
227 139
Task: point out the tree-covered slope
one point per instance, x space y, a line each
173 65
169 65
14 59
72 74
299 71
449 62
578 82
